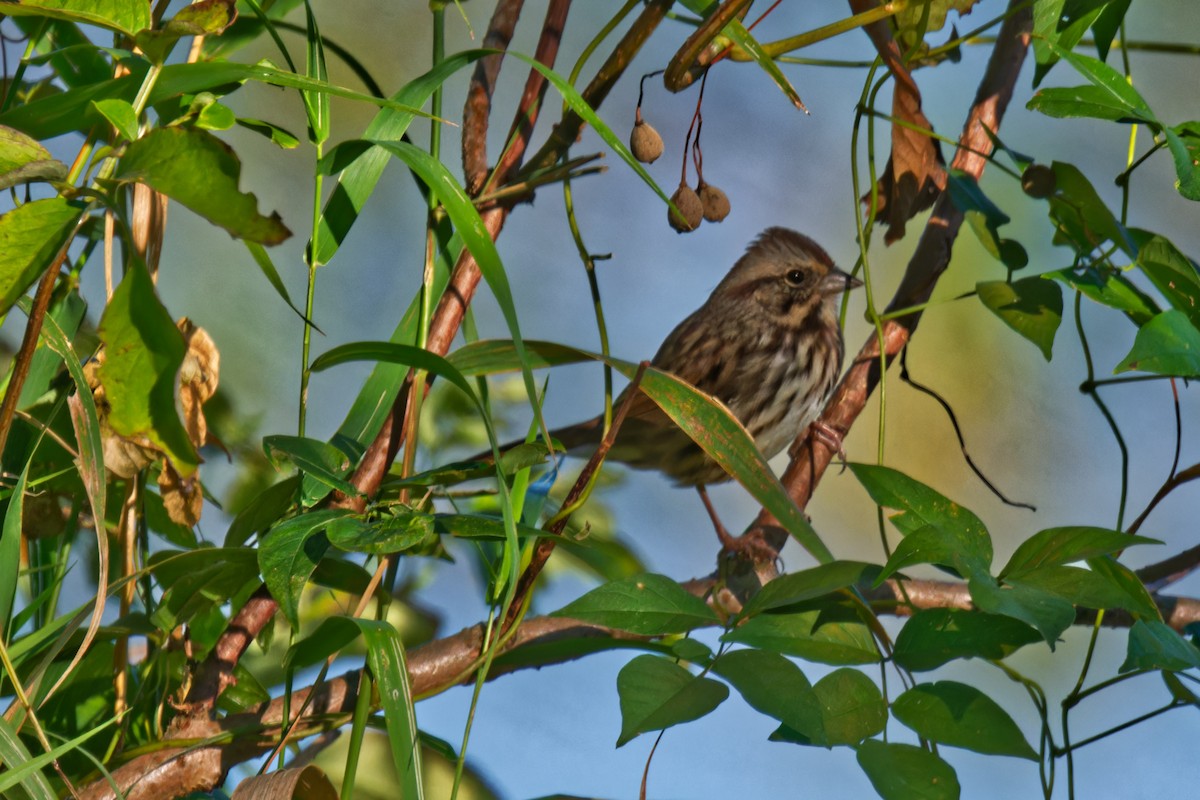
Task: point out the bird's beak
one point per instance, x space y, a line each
837 282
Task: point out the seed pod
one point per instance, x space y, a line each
1038 181
714 201
645 142
689 205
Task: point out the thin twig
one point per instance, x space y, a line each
962 442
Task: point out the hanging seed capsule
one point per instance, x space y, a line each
1038 181
645 142
714 202
690 207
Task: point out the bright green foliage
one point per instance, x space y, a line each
143 353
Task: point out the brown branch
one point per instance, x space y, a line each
567 130
811 455
1176 480
478 108
433 667
217 670
195 767
33 330
1163 573
531 99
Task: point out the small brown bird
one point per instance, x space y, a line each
766 343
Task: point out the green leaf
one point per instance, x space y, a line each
263 511
1087 101
1184 144
332 636
1055 546
121 115
28 771
13 751
423 359
86 423
851 709
243 693
774 686
1110 288
215 116
1078 586
1115 90
1173 274
143 351
1140 600
171 566
56 114
492 356
201 172
657 693
24 160
828 632
316 104
31 235
741 36
10 551
1179 692
1169 344
248 28
930 545
1048 613
959 715
123 16
206 18
907 772
1030 306
948 531
809 584
202 590
288 555
474 526
1108 23
692 650
344 576
1155 645
1082 219
381 537
645 604
319 461
278 135
985 219
386 657
1061 23
937 636
67 310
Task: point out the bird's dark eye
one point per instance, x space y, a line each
795 277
